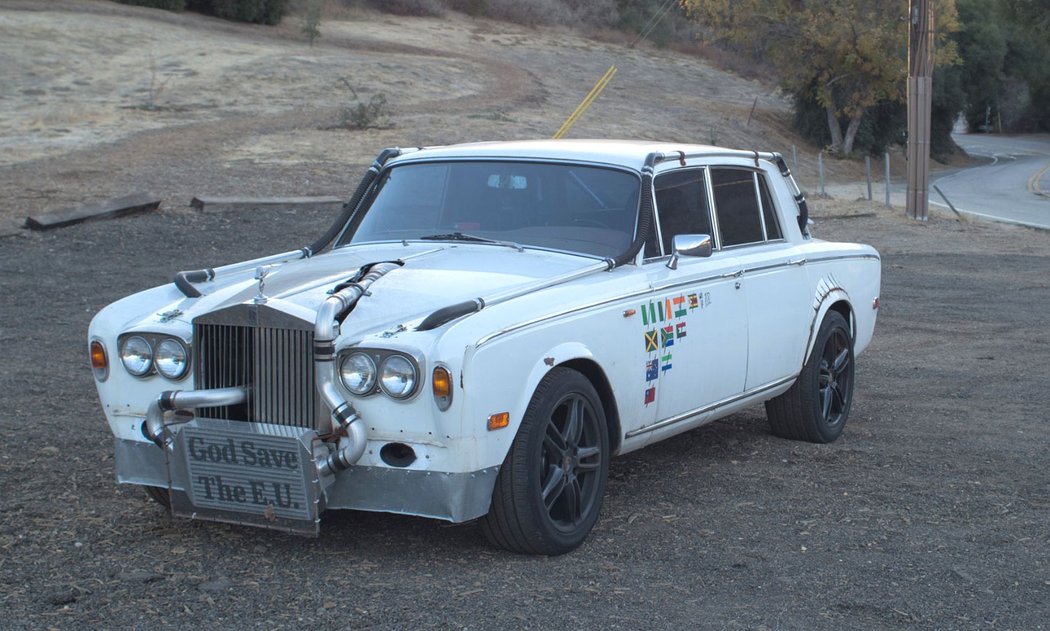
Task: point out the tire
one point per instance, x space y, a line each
159 495
550 488
816 407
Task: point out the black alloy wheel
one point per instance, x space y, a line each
550 488
817 405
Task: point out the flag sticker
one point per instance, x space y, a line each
679 307
652 369
694 301
665 362
650 395
651 344
679 330
667 336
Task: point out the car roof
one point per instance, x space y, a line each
624 153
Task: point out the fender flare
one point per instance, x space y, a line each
825 300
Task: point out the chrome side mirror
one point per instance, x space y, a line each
698 245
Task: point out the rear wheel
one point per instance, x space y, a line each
817 405
549 491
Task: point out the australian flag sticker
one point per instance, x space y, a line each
652 369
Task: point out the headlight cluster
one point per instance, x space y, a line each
365 372
145 353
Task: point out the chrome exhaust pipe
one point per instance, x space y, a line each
326 328
154 427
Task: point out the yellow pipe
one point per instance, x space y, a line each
586 102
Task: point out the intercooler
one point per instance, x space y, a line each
265 349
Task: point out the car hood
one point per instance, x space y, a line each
432 276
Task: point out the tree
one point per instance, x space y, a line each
847 55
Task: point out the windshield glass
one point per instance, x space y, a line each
571 207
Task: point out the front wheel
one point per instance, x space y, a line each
549 491
817 405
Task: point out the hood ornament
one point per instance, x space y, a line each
260 275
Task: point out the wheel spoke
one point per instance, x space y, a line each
841 361
554 487
574 501
586 453
553 442
573 423
840 399
825 402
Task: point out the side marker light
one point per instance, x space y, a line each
499 421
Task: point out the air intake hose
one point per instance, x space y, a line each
645 215
355 200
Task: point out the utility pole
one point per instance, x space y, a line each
920 101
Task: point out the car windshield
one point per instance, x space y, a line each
570 207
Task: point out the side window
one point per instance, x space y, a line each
769 211
681 204
736 206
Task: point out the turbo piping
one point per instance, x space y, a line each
154 427
352 446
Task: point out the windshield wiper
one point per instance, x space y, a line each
459 236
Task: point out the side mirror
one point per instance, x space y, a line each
698 245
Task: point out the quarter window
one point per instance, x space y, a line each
736 206
769 211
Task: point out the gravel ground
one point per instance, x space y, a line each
930 512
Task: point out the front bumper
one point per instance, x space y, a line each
455 497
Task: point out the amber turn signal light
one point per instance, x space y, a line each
99 361
499 421
441 381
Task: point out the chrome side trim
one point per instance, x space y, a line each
843 257
527 323
708 408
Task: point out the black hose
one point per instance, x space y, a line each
184 281
645 215
800 199
450 313
355 200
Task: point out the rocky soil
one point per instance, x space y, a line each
930 512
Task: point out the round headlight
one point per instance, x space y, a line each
171 359
136 355
398 378
358 373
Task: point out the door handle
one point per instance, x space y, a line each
799 262
736 274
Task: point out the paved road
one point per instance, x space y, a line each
1013 187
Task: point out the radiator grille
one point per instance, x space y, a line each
275 363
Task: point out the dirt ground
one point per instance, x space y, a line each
930 512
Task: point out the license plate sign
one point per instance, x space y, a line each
248 473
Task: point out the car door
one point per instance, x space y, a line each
695 320
773 278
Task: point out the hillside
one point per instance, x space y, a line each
103 94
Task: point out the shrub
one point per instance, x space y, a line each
530 12
167 5
410 7
254 11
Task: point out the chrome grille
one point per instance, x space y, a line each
265 349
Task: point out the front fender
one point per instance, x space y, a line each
493 375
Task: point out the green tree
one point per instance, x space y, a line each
848 56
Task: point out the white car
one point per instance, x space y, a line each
482 329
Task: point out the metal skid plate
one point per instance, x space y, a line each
246 473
